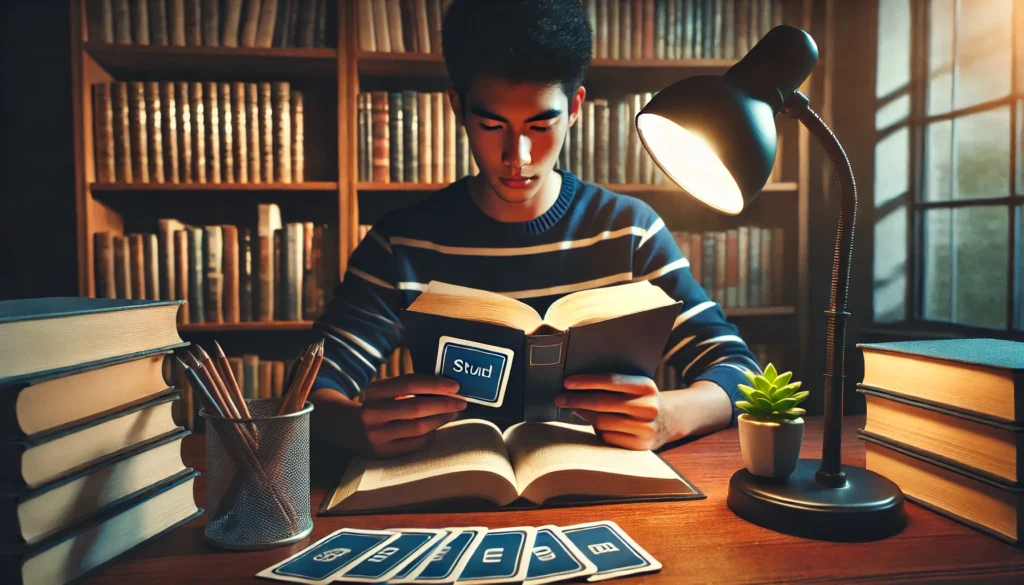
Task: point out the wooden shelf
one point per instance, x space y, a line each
318 186
622 71
759 311
141 60
782 187
247 326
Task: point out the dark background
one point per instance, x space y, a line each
37 204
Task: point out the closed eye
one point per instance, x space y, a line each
541 128
490 128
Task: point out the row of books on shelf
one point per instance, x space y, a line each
277 272
944 422
92 453
208 23
738 267
198 132
412 137
622 29
679 29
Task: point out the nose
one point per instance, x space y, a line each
516 153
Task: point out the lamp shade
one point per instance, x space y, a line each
715 135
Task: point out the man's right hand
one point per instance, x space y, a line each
398 415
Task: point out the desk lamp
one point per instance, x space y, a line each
715 137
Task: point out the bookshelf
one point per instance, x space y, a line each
332 78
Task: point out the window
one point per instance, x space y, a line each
948 193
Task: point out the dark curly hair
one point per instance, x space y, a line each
538 41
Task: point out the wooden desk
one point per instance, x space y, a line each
696 541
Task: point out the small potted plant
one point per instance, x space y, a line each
771 427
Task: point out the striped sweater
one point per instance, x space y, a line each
590 237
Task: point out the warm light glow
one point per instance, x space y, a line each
689 161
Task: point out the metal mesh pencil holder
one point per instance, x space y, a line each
257 489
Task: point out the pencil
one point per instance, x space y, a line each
204 358
305 361
298 398
229 379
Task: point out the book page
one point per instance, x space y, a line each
591 306
460 302
538 449
465 445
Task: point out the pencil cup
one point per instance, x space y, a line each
257 489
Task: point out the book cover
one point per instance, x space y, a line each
989 353
532 367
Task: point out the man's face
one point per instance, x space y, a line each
516 132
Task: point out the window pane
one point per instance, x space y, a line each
938 264
984 46
940 56
890 270
983 154
893 63
980 257
1020 144
938 169
1020 267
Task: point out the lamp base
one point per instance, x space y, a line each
869 507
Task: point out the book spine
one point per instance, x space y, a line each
137 264
266 131
362 128
265 28
778 266
122 135
158 22
104 116
602 138
154 132
732 274
450 136
245 275
308 271
298 138
170 132
241 130
137 123
293 277
282 131
439 103
721 269
251 24
213 171
367 38
280 260
122 268
410 137
381 138
251 365
395 132
755 266
696 256
544 370
232 20
395 29
210 22
151 251
193 28
213 244
229 302
227 142
708 263
181 270
198 133
140 22
743 247
103 248
253 132
197 284
617 142
589 131
176 22
767 268
185 164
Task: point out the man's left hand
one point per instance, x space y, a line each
625 411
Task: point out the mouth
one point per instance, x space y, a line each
517 182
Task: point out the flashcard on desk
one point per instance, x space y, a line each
482 370
556 558
420 558
449 558
391 558
502 557
611 549
333 553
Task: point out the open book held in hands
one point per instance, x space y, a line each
510 361
472 465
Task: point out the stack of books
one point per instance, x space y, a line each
944 423
90 456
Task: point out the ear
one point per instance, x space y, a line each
576 104
456 105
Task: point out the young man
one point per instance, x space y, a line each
525 229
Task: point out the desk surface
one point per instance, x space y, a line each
697 541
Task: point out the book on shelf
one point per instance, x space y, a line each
471 464
199 132
497 346
209 23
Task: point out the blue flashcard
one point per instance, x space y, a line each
388 560
422 555
556 558
450 557
502 557
610 549
329 555
482 370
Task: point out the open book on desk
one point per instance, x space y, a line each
510 361
472 465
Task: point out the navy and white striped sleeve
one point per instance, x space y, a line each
703 345
361 324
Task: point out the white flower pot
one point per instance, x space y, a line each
770 449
